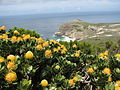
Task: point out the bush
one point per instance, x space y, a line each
28 62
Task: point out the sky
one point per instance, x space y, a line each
19 7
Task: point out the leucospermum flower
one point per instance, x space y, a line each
11 57
62 46
3 28
4 36
19 39
39 47
44 83
117 55
90 70
109 79
58 48
117 83
104 55
13 38
48 53
29 55
75 79
107 71
16 32
71 82
57 67
54 42
63 51
117 88
11 66
10 76
55 50
74 46
2 59
40 40
25 37
45 44
76 54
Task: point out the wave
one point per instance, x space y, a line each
62 38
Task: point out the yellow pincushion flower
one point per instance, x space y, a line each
7 33
75 79
4 36
11 57
39 47
48 53
107 71
90 70
117 55
74 46
53 41
14 39
40 40
16 32
57 67
106 53
44 83
58 48
63 51
55 50
25 37
117 83
62 46
33 38
29 55
19 39
2 59
101 55
109 79
11 66
76 54
117 88
71 82
10 76
45 44
3 28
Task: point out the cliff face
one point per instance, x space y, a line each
80 30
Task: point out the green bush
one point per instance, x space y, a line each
27 62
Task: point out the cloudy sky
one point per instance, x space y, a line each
18 7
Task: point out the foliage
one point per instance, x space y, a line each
28 62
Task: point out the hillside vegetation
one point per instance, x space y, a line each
83 31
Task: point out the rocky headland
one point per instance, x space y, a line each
80 30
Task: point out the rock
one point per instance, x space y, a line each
80 30
58 33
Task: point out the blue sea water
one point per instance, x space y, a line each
48 24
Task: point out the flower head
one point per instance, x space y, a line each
107 71
44 83
3 28
90 70
16 32
2 59
48 53
11 57
45 44
11 66
29 55
10 76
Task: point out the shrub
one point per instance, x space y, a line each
28 62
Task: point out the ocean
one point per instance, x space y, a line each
48 24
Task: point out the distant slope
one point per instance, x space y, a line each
81 30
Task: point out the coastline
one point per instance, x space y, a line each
80 30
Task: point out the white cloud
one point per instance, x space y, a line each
44 6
